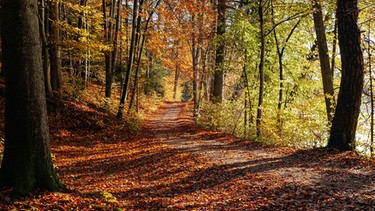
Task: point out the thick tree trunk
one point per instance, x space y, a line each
327 72
344 123
27 162
218 92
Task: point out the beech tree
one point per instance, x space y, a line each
344 123
129 66
218 86
27 162
55 50
112 24
261 66
327 71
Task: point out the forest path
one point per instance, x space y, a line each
235 171
172 164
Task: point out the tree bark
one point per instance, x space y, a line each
55 51
344 123
116 37
218 92
130 59
175 83
43 23
369 60
261 68
27 162
327 72
196 54
107 54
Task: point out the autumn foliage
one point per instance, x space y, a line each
261 146
173 164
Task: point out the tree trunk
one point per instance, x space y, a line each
175 85
27 162
107 54
116 39
196 51
327 72
136 76
280 49
344 123
82 15
55 51
130 60
43 23
218 92
261 69
369 60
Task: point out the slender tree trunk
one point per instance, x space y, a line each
218 92
107 54
175 85
116 37
196 83
82 16
196 56
327 74
78 65
136 76
369 61
55 51
27 162
248 117
43 23
280 53
130 61
334 49
135 91
261 68
344 123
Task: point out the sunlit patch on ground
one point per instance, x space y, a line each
173 164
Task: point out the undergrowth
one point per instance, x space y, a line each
289 127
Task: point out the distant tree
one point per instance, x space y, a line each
49 14
27 162
43 26
112 26
55 49
344 123
218 89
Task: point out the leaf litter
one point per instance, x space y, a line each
172 164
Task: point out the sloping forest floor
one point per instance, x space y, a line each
172 164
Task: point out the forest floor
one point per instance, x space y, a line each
172 164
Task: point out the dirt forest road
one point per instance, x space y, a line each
175 165
219 171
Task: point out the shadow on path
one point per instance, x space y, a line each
181 166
